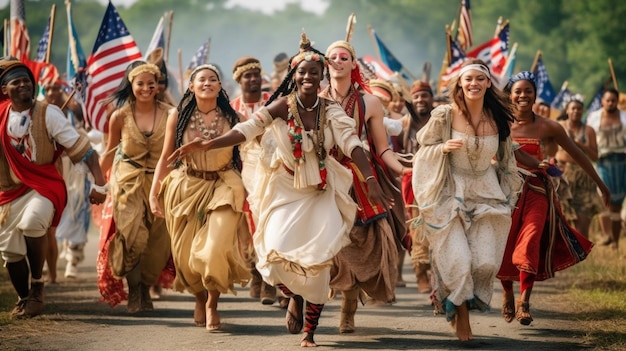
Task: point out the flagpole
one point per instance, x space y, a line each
498 26
350 26
5 46
180 71
49 48
536 61
613 77
208 51
169 35
370 30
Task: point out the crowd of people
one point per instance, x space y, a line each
205 193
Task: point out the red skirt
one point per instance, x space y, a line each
540 240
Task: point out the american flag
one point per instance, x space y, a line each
113 51
375 67
464 34
20 41
545 91
200 57
455 60
42 48
500 50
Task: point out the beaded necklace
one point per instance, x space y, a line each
214 129
296 127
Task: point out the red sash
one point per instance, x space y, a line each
367 211
44 179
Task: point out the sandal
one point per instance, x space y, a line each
508 307
522 313
295 316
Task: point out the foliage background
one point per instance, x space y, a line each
576 37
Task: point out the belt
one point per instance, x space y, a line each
207 175
135 164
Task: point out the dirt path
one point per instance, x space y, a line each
76 320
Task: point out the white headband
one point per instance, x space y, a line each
476 66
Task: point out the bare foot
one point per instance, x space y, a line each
212 319
307 340
462 323
199 311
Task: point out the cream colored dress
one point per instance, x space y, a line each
301 228
465 203
202 218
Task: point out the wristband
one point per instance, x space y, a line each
100 189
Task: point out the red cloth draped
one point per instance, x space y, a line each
44 179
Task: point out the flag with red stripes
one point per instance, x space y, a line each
464 34
113 51
20 41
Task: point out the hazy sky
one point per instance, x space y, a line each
266 6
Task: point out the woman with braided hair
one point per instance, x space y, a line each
303 187
202 195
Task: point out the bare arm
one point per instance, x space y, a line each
114 136
94 167
374 120
163 168
561 137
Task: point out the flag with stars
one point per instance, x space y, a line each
76 58
113 51
42 48
200 57
545 92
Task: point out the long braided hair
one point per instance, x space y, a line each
188 105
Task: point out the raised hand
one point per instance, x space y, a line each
196 144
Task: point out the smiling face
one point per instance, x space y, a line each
308 76
19 89
145 87
205 84
523 95
341 63
474 84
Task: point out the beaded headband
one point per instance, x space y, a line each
241 69
145 68
476 66
206 66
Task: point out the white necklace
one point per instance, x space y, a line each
309 109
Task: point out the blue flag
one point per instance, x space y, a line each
389 59
544 88
42 47
76 58
561 98
200 57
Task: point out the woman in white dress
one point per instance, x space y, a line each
305 211
465 210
